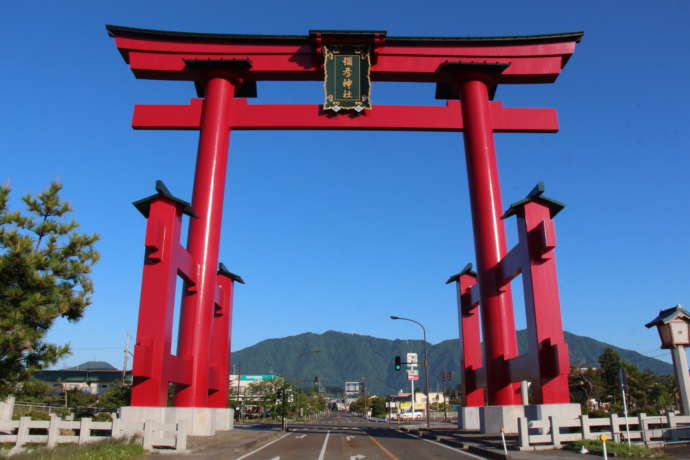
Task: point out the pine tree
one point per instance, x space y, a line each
44 274
610 363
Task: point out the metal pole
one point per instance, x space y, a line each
364 387
621 377
125 359
426 368
445 404
426 379
239 403
283 424
503 440
412 397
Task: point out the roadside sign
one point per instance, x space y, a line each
412 360
256 378
412 374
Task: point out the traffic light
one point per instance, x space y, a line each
397 363
316 380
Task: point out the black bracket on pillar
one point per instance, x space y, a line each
222 270
536 194
446 89
144 205
467 270
199 67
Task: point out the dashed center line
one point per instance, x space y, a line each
383 449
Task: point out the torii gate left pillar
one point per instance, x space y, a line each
220 81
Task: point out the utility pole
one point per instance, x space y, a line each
284 425
621 379
125 359
239 401
364 387
444 378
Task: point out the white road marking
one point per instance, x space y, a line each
440 444
299 437
357 457
348 437
323 448
275 458
260 448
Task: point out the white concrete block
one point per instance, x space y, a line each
224 419
200 421
493 418
468 418
7 408
563 413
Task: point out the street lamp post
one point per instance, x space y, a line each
673 325
426 367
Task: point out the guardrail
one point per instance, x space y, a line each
57 431
649 430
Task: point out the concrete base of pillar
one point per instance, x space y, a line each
493 418
201 421
468 418
565 411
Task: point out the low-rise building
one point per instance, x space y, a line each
93 377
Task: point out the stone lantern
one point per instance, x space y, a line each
673 325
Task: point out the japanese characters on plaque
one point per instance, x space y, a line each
347 83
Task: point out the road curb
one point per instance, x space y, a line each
487 453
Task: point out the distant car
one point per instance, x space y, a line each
407 416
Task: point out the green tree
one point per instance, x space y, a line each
78 398
34 391
317 402
268 395
610 363
645 391
585 385
44 275
357 406
378 407
116 396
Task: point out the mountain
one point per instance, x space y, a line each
350 357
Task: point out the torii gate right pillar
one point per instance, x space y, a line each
474 85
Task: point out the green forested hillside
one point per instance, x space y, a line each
344 357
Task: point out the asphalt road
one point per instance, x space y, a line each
351 438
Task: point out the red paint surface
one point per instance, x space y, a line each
545 328
163 57
154 366
468 312
384 117
500 342
204 240
220 343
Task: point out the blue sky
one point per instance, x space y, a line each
339 230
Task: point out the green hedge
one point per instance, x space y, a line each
619 448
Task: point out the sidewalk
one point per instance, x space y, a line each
225 444
489 446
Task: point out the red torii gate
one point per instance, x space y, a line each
225 69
